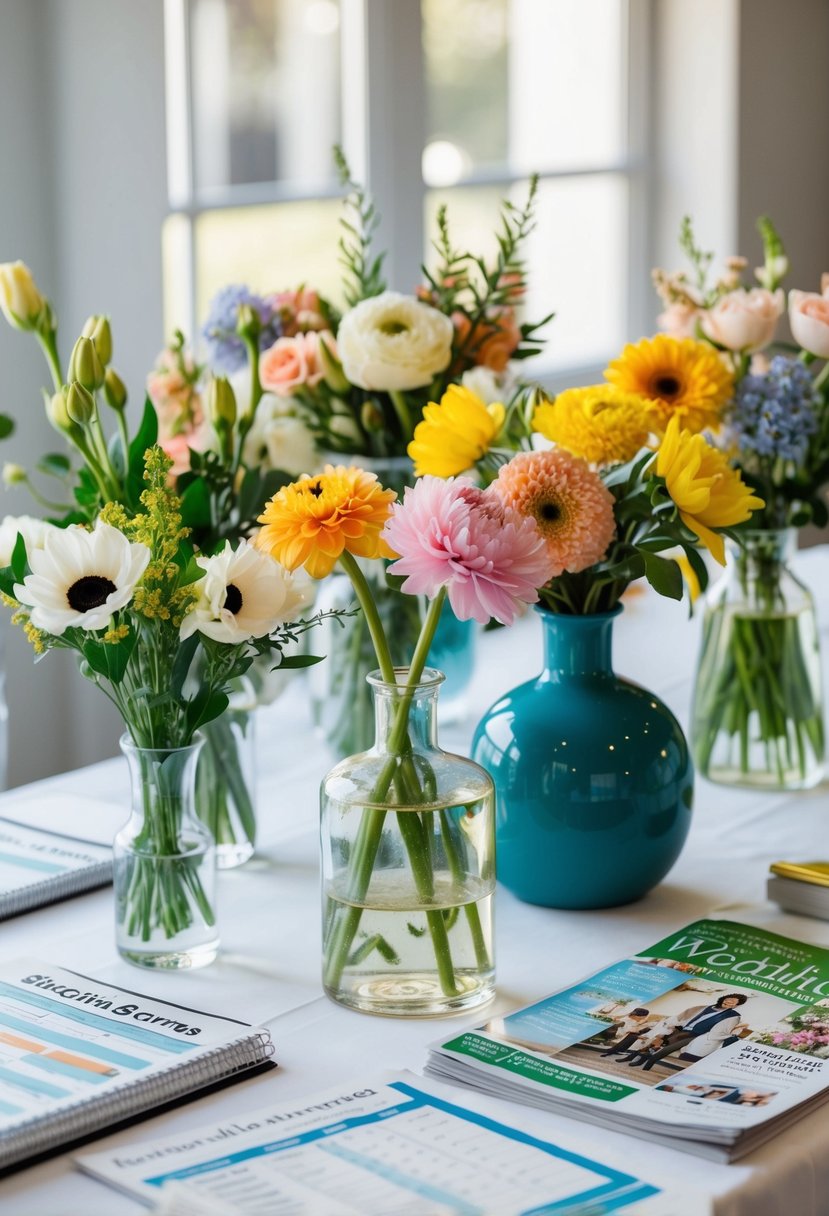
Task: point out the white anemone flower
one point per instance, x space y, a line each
34 532
244 594
79 578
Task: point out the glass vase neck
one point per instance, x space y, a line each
761 566
401 713
772 545
579 645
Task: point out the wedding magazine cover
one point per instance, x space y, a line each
711 1040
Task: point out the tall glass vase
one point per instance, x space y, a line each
165 864
758 701
593 774
408 867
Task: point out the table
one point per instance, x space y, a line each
268 970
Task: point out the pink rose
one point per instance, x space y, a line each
809 319
177 447
171 387
744 320
291 363
298 311
679 320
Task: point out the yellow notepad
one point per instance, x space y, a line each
814 872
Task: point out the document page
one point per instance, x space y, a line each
29 857
383 1149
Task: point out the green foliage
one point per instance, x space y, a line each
363 269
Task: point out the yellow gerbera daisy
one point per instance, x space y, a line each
707 491
311 522
680 377
455 433
602 424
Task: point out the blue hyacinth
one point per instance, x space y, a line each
225 349
774 414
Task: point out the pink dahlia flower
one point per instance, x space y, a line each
450 534
570 503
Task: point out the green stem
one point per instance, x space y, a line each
363 592
49 346
401 408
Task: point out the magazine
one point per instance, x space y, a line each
712 1041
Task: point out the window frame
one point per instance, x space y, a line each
383 100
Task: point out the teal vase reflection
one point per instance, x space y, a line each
593 775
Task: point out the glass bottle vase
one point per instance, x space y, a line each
164 864
758 704
226 782
408 866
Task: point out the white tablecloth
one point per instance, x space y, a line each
268 970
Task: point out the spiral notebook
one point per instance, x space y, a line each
52 847
78 1057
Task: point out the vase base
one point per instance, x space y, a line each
736 778
414 994
231 855
172 960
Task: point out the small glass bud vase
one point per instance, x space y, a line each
758 702
226 781
165 864
408 866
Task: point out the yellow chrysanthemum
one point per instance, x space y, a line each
311 522
707 491
455 433
681 378
602 424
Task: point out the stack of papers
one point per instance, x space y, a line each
801 887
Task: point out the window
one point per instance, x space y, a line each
454 101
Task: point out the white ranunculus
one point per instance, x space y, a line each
244 594
34 533
79 578
490 386
278 439
394 342
20 300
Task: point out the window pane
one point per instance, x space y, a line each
259 113
575 260
530 85
175 254
268 248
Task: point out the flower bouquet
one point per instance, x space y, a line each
407 829
758 712
362 379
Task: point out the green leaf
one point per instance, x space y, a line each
144 438
19 563
93 652
195 505
118 655
290 661
663 574
54 464
181 664
7 581
6 426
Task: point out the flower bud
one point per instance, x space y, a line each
57 412
97 328
248 323
372 417
14 474
20 300
115 390
85 365
221 403
332 369
80 404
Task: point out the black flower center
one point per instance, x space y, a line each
233 599
550 512
89 592
316 490
667 386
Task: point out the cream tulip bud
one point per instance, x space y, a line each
85 365
57 412
80 404
248 322
372 417
332 369
14 474
115 390
221 403
20 300
98 329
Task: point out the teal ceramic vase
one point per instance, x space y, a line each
593 775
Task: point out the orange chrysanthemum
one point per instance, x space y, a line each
570 503
311 522
680 377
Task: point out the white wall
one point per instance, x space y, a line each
83 203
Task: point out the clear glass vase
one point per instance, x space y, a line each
758 705
408 866
226 781
165 864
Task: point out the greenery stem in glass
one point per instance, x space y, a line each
226 780
758 708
